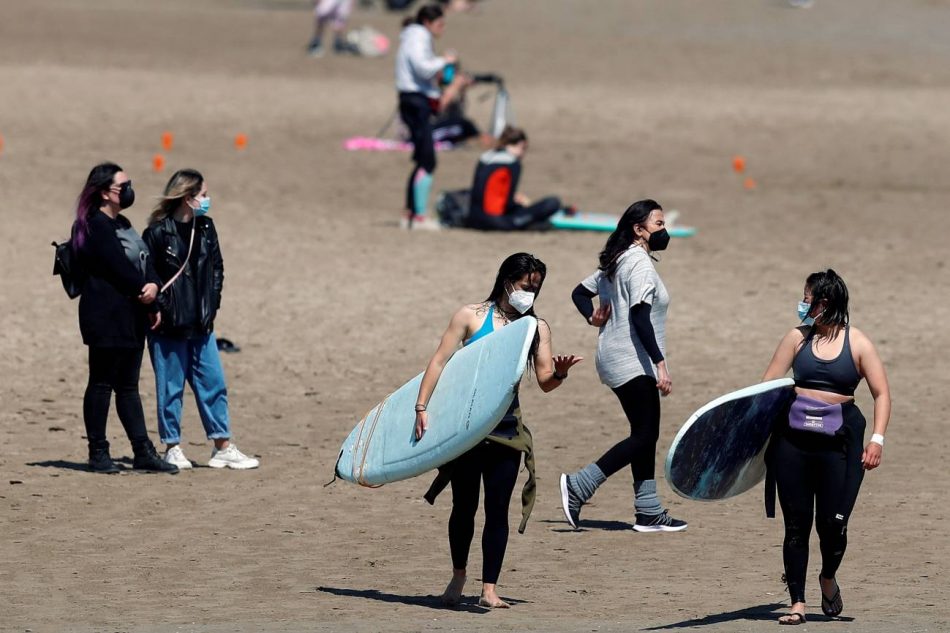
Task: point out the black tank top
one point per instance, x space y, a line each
839 375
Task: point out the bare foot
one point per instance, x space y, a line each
490 599
796 616
453 592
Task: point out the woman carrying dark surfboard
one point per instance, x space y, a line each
497 459
631 348
818 456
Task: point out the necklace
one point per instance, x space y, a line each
506 317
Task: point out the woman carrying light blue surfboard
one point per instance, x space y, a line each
495 460
631 350
818 455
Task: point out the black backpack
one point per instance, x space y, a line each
66 265
453 207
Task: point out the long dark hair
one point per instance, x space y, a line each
623 236
429 13
511 270
88 202
827 286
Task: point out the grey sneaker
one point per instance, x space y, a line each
570 502
231 457
658 523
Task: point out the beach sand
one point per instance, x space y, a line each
841 114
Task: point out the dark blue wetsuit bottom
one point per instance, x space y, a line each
498 466
818 477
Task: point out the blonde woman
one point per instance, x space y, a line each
184 246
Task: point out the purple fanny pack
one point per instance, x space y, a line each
808 414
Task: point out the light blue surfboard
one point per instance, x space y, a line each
720 450
475 390
582 221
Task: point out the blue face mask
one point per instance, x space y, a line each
203 207
803 310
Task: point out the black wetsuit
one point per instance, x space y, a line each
818 476
498 466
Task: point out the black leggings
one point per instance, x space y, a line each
416 113
114 369
498 466
640 400
520 217
818 477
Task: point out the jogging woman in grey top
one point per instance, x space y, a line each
631 348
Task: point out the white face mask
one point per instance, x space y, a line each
521 300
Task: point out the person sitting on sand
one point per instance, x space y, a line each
496 203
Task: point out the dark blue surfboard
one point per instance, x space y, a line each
720 451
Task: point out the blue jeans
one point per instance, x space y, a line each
175 360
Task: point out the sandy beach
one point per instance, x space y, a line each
841 114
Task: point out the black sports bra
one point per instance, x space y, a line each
839 375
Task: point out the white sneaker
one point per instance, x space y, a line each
176 456
420 223
231 457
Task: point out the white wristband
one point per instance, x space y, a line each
878 439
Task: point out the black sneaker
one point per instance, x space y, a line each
570 502
343 47
100 461
658 523
147 459
315 48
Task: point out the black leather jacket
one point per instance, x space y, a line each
190 304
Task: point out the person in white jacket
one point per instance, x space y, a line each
418 70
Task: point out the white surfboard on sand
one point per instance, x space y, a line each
720 450
475 390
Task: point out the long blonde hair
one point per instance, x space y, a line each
184 183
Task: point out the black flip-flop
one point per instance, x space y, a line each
832 607
799 619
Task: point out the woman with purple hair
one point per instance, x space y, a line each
116 306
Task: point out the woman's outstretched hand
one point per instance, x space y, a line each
563 364
422 424
600 315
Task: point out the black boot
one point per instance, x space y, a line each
99 459
147 459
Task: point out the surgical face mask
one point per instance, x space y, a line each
126 195
521 300
803 310
204 205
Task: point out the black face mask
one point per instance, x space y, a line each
126 195
659 240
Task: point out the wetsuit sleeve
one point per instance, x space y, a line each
104 248
582 298
640 319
